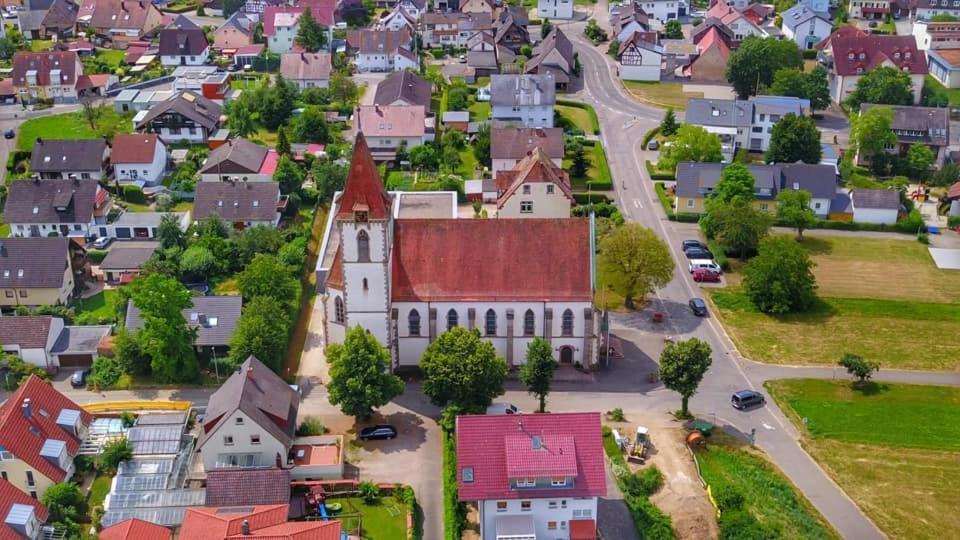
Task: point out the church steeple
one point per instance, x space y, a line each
364 196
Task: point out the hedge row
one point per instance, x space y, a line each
587 198
719 254
604 180
594 121
656 175
454 511
96 256
650 135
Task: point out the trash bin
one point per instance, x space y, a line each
703 427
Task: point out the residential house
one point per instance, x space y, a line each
242 485
242 204
638 59
820 6
247 55
239 160
944 65
532 475
628 20
46 207
742 123
404 88
482 54
925 10
250 421
477 6
23 515
415 8
398 19
740 23
69 159
877 206
510 28
664 10
54 20
140 225
854 54
458 120
696 182
555 9
509 145
806 27
526 100
282 22
413 276
869 9
441 29
713 50
120 22
382 50
139 158
554 55
46 75
941 41
235 32
123 263
183 43
135 529
40 434
208 81
214 317
188 116
306 70
929 126
388 127
45 342
254 523
35 272
535 188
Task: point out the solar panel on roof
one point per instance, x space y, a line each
161 419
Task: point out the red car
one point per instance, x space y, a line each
706 275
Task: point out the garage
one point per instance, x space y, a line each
77 346
76 360
123 232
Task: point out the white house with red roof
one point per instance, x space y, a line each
138 158
281 24
23 517
405 268
535 188
532 475
854 53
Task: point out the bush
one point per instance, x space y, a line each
719 254
728 499
311 425
648 136
643 483
588 198
133 194
616 415
369 492
953 221
923 238
741 525
809 54
657 174
106 372
438 54
913 224
406 495
648 518
128 419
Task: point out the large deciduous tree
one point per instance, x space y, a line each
739 226
882 86
165 336
795 83
311 126
537 373
780 278
858 367
793 210
289 175
690 143
360 378
641 260
682 366
752 66
267 276
873 131
461 369
920 160
169 232
736 184
262 331
794 138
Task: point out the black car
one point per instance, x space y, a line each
692 244
9 134
698 306
698 253
381 431
79 378
745 399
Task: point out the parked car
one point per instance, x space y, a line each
706 264
79 378
699 253
705 275
653 145
503 408
873 24
9 134
378 432
691 244
698 307
745 399
102 242
463 59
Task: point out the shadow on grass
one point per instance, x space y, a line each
817 246
870 388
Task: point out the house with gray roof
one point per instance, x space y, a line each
404 88
68 159
743 123
124 263
140 225
239 159
64 207
35 272
929 126
242 204
214 317
806 27
47 342
188 116
523 100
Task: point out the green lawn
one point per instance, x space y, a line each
230 286
73 126
468 163
111 57
99 490
99 307
661 94
598 173
767 494
4 230
577 116
385 520
953 94
891 447
40 45
479 111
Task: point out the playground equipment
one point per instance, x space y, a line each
638 452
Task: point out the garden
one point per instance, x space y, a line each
891 447
74 125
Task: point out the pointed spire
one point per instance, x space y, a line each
364 190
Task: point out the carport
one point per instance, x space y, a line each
76 347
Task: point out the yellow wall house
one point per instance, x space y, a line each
40 433
35 271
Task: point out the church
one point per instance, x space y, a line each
404 266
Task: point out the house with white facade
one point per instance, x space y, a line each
408 272
854 53
67 159
927 126
742 24
398 19
386 127
806 27
282 22
869 9
60 207
743 123
535 188
664 10
638 59
139 158
555 9
239 160
306 70
532 475
524 100
46 75
877 206
924 10
187 116
251 420
183 43
382 50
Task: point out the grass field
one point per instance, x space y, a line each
767 494
73 126
385 520
468 163
112 57
479 111
40 45
953 94
578 117
891 447
598 171
99 307
661 94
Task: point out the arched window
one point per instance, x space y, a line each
529 323
363 246
453 320
566 326
413 321
490 328
365 284
338 313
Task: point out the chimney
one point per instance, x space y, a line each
26 409
245 528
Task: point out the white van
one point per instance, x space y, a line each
503 408
705 264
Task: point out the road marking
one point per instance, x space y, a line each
637 203
768 426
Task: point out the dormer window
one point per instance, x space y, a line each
558 482
859 70
360 216
850 56
907 55
863 56
896 55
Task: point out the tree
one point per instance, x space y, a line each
329 177
481 145
114 453
240 117
545 27
424 157
458 98
739 226
673 30
360 378
258 239
752 66
311 127
165 336
736 184
461 369
883 86
873 131
640 259
794 138
129 353
267 276
288 175
613 48
818 88
450 159
277 104
690 143
920 160
283 145
682 367
262 331
198 263
310 35
789 82
343 89
169 232
579 165
293 254
948 175
90 110
858 367
537 372
780 278
793 210
669 125
453 138
64 502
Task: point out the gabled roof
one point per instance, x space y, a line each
818 179
133 148
932 122
378 41
122 14
391 120
855 55
844 31
27 332
322 12
880 199
25 437
517 142
44 65
214 317
363 190
37 201
406 86
699 31
182 41
697 180
62 15
10 496
240 22
267 522
305 66
640 40
522 90
67 155
535 168
242 486
236 156
262 395
33 262
555 41
237 201
123 257
499 448
188 104
135 529
800 14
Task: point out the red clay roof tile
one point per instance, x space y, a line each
135 529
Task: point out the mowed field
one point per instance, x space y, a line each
891 447
882 299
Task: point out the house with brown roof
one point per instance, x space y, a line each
510 28
389 126
476 6
929 126
46 75
239 160
509 145
254 413
382 50
241 485
68 159
235 32
65 207
535 188
139 158
23 516
554 55
639 59
404 88
261 522
853 54
213 317
431 266
35 272
188 116
242 204
120 22
45 342
306 70
40 434
54 19
183 43
710 63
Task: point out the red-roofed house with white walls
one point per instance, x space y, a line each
854 54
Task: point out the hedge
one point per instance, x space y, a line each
719 254
652 170
587 198
594 121
604 181
134 194
96 256
664 199
649 135
953 221
809 54
454 511
911 225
